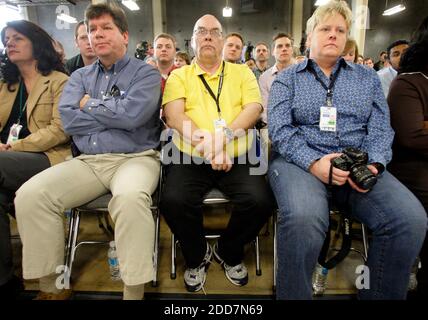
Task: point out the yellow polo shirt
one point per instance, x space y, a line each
239 89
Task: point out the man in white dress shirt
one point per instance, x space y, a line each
282 51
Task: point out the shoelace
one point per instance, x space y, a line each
205 266
236 269
198 273
197 277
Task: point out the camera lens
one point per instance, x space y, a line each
363 177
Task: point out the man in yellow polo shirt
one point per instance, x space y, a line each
211 104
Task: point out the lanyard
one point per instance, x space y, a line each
21 108
329 89
220 86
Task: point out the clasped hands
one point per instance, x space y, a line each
212 148
321 170
4 147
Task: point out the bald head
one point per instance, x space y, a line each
208 18
207 40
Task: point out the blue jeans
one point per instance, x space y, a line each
393 214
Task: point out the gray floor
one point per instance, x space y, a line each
90 276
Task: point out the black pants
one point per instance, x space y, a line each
15 169
181 205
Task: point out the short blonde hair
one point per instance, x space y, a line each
334 6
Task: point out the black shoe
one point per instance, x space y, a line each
12 289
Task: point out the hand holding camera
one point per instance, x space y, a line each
355 161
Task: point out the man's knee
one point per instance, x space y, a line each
126 198
174 199
27 195
261 201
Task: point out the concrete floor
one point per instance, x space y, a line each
90 275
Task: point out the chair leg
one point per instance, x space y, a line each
274 253
73 248
69 239
257 248
156 249
266 227
173 274
365 241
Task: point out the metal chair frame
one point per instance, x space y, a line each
213 197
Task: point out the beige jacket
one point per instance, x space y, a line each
43 119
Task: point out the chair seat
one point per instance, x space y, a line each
215 196
100 203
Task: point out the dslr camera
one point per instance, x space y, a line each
355 161
141 50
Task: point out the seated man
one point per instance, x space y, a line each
282 51
394 53
261 55
111 109
164 54
233 46
86 55
316 109
207 126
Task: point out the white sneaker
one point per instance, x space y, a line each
238 274
194 278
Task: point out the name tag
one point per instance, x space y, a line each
328 119
219 124
15 129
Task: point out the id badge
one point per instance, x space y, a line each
14 133
328 119
219 124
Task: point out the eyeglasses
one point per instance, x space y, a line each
202 32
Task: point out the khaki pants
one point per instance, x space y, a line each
40 203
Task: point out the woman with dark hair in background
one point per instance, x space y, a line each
31 134
408 102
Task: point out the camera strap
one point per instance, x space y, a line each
346 229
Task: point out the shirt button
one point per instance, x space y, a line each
89 108
106 77
92 103
115 73
94 143
102 92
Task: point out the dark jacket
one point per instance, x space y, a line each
74 63
408 102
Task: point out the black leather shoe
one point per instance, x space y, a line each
11 289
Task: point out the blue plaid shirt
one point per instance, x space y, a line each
362 114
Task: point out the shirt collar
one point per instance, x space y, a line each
304 64
199 71
392 71
118 66
274 70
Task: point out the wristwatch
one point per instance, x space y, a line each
228 134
